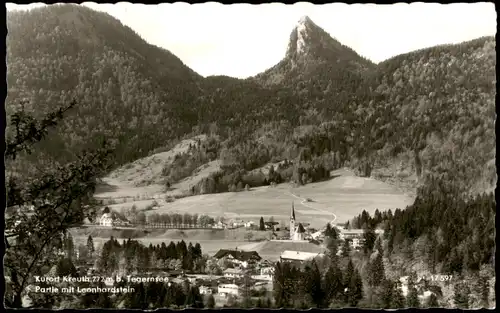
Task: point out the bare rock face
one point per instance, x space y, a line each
312 52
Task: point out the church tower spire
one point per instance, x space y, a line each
292 223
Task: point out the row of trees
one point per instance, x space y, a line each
166 220
132 256
179 220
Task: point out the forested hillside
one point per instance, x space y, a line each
125 89
444 100
429 112
426 114
442 233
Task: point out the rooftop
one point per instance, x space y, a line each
352 231
228 286
177 281
271 249
237 254
300 229
106 215
233 270
299 255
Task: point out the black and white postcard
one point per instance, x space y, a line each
250 156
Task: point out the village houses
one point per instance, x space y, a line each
228 289
298 256
237 257
233 273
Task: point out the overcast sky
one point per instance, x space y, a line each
242 40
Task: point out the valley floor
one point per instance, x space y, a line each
338 199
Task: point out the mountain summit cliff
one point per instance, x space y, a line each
311 49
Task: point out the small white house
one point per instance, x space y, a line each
106 220
267 270
237 223
350 233
219 225
356 243
204 290
233 273
249 224
237 262
228 289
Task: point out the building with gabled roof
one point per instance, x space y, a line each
110 219
228 289
106 220
205 290
233 273
241 256
298 256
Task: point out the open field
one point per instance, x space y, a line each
143 178
345 196
210 240
171 234
339 199
141 182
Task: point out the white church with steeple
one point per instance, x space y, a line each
297 231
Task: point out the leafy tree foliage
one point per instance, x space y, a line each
412 300
462 242
376 270
43 202
90 246
461 296
210 301
137 257
262 226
